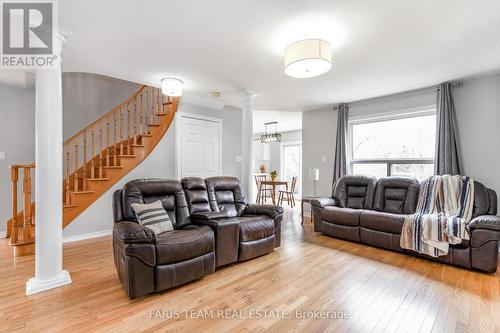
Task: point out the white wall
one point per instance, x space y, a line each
17 140
478 115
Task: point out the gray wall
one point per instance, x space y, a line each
478 115
17 140
477 105
86 97
319 129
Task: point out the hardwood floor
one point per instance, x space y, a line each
376 290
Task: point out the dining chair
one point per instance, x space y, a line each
290 194
263 191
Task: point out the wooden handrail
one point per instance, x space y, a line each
75 136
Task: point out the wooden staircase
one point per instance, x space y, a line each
96 158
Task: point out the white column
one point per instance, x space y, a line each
48 181
247 98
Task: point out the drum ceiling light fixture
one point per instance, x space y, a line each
308 58
172 87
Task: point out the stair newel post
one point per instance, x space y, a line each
100 148
67 196
84 166
107 139
146 111
27 204
92 163
115 144
75 175
13 227
121 131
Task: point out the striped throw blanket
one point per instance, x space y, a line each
444 209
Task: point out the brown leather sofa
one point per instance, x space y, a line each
214 227
370 211
242 231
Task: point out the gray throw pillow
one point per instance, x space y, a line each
153 216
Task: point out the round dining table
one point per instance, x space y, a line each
274 183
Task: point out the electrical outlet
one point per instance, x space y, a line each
2 155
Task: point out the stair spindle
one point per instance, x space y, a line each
92 163
147 112
107 140
13 227
115 144
84 166
67 195
141 117
100 149
157 101
27 204
121 131
135 120
153 118
75 175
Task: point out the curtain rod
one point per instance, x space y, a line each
454 84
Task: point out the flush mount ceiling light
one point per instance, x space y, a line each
308 58
271 137
172 87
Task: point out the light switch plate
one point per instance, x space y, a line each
2 155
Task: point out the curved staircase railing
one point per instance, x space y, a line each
99 155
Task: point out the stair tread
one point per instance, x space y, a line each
125 155
98 179
81 192
154 125
70 206
113 167
136 145
161 114
147 135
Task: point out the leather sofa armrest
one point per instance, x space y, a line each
133 233
206 216
269 210
323 202
490 222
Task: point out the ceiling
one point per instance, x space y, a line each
379 47
287 121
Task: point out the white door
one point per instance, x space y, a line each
200 148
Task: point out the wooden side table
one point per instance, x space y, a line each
304 200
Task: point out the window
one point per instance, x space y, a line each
401 145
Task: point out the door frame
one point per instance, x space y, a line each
178 139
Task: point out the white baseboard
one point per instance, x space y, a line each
90 235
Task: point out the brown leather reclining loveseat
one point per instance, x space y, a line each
215 226
364 209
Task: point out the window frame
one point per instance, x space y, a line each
427 110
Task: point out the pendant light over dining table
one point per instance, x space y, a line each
308 58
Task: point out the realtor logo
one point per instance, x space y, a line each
27 35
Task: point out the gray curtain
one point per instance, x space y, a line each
447 148
340 165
